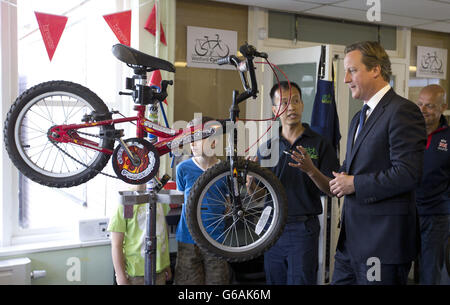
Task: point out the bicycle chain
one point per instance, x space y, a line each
85 165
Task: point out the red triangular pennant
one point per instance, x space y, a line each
155 80
51 27
120 24
150 25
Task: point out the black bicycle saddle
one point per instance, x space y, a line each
134 57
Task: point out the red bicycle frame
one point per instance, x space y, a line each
166 136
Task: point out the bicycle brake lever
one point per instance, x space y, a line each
162 94
165 84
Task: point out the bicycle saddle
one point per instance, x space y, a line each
134 57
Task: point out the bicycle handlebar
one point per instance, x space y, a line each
249 52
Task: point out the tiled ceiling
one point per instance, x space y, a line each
433 15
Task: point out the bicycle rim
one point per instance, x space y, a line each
237 230
33 123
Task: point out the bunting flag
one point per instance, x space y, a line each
150 25
324 118
120 24
51 27
155 80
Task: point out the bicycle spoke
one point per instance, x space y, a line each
82 108
254 192
36 137
54 162
39 152
73 107
48 156
76 151
247 226
37 130
64 109
43 114
216 223
237 237
228 230
49 115
220 191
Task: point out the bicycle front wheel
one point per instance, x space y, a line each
26 134
226 228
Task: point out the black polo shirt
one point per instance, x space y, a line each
303 195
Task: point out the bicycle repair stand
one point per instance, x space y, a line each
150 197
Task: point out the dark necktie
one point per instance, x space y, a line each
362 118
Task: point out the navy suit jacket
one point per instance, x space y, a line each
379 219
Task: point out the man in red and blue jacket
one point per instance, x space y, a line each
433 195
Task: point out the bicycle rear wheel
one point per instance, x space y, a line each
224 229
26 134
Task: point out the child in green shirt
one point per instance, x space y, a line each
128 245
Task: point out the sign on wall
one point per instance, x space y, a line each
431 62
205 46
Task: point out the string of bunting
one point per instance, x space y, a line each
52 27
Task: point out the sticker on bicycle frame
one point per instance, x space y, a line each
263 220
198 135
205 46
159 128
431 62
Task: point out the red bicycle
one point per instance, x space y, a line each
61 134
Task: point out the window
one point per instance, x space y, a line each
321 30
84 56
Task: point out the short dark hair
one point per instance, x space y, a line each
373 54
283 85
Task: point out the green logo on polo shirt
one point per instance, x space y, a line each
312 152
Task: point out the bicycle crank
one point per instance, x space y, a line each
144 165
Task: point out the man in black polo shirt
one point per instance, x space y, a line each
293 260
433 194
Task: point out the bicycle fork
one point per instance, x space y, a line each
234 183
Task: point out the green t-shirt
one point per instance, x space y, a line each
134 238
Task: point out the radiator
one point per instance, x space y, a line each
17 271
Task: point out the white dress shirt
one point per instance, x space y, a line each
372 103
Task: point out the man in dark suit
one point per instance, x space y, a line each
383 165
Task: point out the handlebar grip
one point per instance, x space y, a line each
229 60
223 61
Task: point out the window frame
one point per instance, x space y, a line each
11 234
9 89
